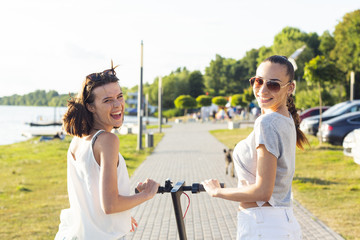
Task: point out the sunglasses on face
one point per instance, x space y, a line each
273 86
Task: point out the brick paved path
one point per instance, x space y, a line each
189 152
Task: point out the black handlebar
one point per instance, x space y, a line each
194 188
176 191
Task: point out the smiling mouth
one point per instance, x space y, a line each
116 115
264 100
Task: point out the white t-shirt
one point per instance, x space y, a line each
278 134
85 218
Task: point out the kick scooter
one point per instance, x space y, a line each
176 192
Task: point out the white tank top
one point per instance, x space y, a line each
85 218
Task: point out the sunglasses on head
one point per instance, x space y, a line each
273 86
96 77
109 73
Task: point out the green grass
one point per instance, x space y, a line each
157 126
33 184
326 182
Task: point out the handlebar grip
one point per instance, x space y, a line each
202 189
195 188
160 190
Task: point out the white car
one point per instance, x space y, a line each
356 148
351 145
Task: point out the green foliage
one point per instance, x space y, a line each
214 73
264 52
248 95
237 100
185 102
196 84
228 76
173 85
327 44
321 70
310 98
220 101
347 38
203 100
37 98
175 112
288 40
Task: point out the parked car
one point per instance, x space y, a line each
349 143
312 112
310 125
334 130
356 149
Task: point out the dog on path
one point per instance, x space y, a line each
229 161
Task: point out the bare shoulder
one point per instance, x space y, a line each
107 139
106 147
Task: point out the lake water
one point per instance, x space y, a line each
14 119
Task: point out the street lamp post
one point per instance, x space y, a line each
160 103
140 102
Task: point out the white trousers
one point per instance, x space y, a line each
275 223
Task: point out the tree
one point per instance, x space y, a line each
185 102
320 71
173 85
250 62
347 45
220 101
264 52
213 74
310 97
347 38
248 95
327 44
289 40
196 84
203 100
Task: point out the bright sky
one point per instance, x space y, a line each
54 44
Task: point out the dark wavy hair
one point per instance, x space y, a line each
78 120
300 136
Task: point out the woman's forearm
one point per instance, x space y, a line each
251 193
123 203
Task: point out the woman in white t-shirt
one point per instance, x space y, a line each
265 160
98 181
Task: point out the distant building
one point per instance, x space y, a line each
132 102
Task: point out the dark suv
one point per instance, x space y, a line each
310 125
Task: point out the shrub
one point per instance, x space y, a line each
203 100
220 101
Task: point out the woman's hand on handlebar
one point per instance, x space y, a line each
211 186
148 187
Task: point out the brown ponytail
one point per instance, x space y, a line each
77 120
300 136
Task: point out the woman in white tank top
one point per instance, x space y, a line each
98 181
265 160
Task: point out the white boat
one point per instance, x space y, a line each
43 131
